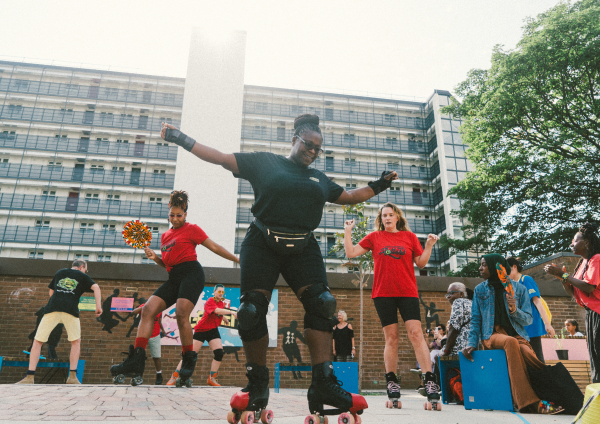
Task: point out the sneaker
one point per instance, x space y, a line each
173 379
73 379
27 380
159 379
212 381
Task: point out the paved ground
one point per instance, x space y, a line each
60 403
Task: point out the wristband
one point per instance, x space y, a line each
381 184
565 276
179 138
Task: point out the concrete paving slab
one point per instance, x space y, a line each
147 404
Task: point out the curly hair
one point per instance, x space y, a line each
179 199
589 232
305 123
401 225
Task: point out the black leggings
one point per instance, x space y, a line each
186 281
592 324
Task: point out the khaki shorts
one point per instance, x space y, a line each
154 346
51 320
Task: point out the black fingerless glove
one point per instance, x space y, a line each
179 138
381 184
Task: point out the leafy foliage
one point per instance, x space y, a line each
532 126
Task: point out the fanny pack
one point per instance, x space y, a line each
284 241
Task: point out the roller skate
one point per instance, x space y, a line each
212 380
326 390
173 378
133 366
433 392
250 404
393 391
187 369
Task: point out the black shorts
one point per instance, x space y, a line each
186 281
387 309
207 336
260 266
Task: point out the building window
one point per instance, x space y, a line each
159 171
36 255
113 197
123 141
86 227
97 168
54 164
118 168
52 193
108 227
60 136
92 198
348 185
104 258
155 229
82 256
44 225
156 199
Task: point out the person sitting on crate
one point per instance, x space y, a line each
497 321
461 299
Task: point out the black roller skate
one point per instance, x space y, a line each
249 404
133 366
327 390
188 364
433 392
393 391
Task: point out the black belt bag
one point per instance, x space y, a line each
284 241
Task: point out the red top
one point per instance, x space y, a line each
179 245
393 255
210 320
156 329
592 276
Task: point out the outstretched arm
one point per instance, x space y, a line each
208 154
362 194
220 250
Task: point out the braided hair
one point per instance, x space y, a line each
305 123
589 232
179 199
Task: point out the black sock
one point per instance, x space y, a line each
73 371
30 372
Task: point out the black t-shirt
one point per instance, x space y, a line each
68 285
286 194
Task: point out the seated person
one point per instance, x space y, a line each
572 327
497 321
438 343
461 299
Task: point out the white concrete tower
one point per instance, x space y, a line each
212 115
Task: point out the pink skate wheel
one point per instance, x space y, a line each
346 418
247 417
233 418
357 419
312 419
266 416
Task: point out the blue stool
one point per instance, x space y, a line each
446 363
485 381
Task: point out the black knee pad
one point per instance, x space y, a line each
319 305
218 354
252 316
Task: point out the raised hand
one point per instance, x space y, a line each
349 225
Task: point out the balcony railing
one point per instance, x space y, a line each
341 140
128 208
67 236
372 168
72 145
337 115
89 118
335 220
90 92
52 173
395 196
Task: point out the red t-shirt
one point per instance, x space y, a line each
156 329
592 276
210 320
179 245
393 255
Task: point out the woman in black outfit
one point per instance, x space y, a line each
343 339
289 201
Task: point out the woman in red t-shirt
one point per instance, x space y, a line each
395 248
183 288
207 330
584 286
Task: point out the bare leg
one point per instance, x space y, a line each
183 309
415 335
390 353
34 355
75 350
149 311
157 364
215 344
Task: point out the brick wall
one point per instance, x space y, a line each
22 296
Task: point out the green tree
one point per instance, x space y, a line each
361 266
531 123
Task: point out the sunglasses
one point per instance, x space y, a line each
452 293
308 145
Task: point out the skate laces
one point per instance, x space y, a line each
432 387
393 387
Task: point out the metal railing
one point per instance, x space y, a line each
82 205
337 115
372 168
90 92
67 236
88 118
55 144
344 140
59 173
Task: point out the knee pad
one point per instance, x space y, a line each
252 316
319 305
218 354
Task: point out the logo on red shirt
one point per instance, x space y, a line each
168 247
393 251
